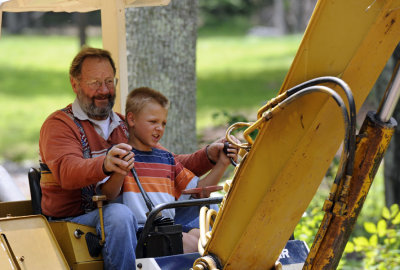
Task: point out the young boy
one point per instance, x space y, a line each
162 177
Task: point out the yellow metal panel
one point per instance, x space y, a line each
93 265
75 249
274 185
334 34
264 204
32 243
16 208
5 262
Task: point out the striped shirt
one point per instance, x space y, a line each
162 177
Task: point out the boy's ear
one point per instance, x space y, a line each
130 119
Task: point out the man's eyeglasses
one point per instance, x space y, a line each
110 83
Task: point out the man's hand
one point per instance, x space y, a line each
119 159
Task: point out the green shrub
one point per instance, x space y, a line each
309 223
381 248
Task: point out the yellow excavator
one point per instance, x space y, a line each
344 49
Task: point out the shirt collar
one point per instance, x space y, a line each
81 115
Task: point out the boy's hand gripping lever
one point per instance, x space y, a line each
225 149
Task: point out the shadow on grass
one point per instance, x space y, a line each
225 27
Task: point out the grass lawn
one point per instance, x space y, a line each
33 83
235 73
240 73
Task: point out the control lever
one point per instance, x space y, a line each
225 149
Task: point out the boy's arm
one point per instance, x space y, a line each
197 162
216 173
201 161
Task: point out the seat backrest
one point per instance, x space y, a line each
36 191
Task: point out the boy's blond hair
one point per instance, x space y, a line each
141 96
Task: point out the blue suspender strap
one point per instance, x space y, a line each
87 192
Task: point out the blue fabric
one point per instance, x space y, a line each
120 228
188 217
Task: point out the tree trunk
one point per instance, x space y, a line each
279 16
12 22
298 14
81 22
161 46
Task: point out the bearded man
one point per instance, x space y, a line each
80 145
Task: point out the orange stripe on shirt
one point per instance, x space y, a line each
182 180
149 184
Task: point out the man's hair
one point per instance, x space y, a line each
141 96
76 65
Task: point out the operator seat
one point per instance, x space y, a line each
36 191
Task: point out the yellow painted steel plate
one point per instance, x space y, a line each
350 39
32 242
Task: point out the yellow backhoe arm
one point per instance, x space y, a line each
349 39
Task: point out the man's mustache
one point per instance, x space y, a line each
108 96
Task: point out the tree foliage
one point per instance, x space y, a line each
230 7
380 249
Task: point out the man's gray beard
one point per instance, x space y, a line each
89 107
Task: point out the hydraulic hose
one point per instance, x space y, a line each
347 136
352 108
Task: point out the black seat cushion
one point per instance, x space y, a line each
36 191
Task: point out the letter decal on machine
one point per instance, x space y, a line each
284 254
294 255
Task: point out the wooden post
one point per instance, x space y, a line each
114 40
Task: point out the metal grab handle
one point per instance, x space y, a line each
234 127
254 126
206 219
246 134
